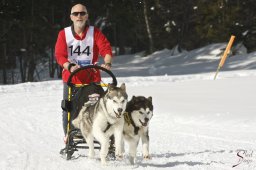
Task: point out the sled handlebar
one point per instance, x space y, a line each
114 81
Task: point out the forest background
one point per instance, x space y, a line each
29 29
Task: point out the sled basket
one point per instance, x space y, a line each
78 94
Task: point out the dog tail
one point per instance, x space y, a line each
76 122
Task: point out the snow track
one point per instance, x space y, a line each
197 124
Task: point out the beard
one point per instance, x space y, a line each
80 24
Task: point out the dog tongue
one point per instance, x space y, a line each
117 115
143 124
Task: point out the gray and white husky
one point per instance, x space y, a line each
102 120
139 111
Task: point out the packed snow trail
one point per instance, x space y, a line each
198 123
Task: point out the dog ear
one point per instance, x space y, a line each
123 87
150 99
132 101
110 87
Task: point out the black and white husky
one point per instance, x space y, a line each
102 120
139 111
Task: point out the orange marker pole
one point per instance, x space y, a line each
225 54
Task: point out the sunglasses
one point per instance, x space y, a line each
77 13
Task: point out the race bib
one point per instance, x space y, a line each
80 51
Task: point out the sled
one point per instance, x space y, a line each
73 105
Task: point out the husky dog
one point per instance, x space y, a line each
138 113
103 119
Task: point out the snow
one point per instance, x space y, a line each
198 122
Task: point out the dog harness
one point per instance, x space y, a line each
127 118
108 126
80 51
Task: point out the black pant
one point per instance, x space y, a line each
64 112
79 95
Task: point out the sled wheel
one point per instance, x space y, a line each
108 72
67 152
69 155
69 147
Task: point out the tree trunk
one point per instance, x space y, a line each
4 76
51 64
4 55
150 37
31 68
22 75
59 71
51 59
31 64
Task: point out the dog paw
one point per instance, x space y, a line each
91 156
131 160
104 163
147 157
119 157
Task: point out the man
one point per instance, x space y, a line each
80 45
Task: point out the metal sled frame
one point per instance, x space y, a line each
75 140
